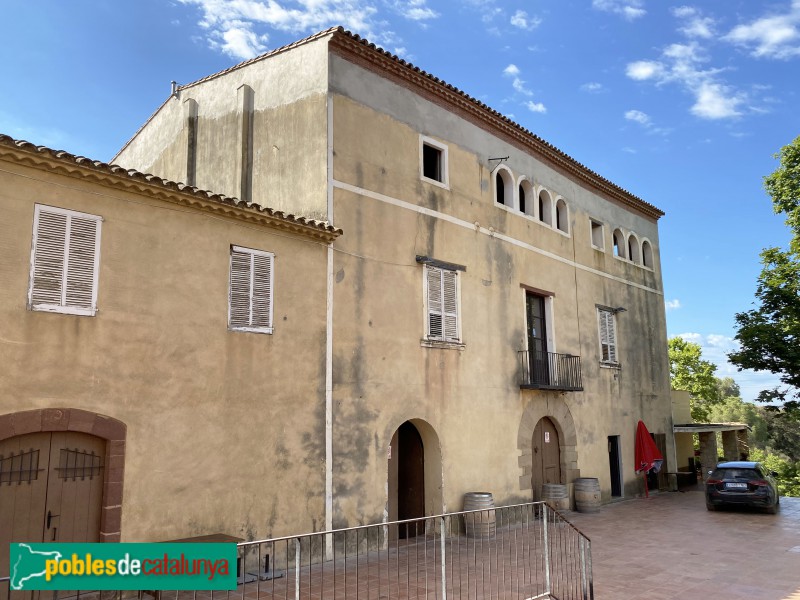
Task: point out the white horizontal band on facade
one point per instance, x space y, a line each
471 226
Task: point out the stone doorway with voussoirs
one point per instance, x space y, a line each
547 445
60 478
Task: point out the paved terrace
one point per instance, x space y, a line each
670 546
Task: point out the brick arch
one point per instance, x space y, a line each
557 411
82 421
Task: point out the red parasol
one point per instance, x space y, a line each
647 454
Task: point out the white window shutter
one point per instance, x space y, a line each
239 308
48 259
250 300
261 311
65 261
442 304
612 338
450 305
435 321
608 337
80 270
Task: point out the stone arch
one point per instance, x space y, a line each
504 187
434 476
111 430
556 410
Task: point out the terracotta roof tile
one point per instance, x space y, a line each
313 226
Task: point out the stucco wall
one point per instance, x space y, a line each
471 398
289 132
225 430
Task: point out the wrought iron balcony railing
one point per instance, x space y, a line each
550 371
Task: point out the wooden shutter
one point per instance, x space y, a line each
65 264
608 336
435 324
250 303
450 305
442 300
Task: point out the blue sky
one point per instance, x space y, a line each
682 104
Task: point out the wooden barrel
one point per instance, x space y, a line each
479 524
587 494
555 495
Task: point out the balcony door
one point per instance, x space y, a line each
537 338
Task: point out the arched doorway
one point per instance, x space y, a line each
61 474
546 448
407 478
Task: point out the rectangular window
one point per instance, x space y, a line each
608 335
597 234
433 161
441 289
65 261
250 302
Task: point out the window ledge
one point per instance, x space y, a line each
64 310
610 365
442 345
441 184
267 330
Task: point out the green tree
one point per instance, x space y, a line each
728 388
733 409
688 371
769 334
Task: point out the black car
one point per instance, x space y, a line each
742 483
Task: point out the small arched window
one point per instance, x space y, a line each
504 187
526 197
633 249
647 254
619 244
562 216
545 207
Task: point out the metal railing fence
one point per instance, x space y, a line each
525 551
550 371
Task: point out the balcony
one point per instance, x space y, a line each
550 371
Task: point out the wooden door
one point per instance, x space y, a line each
51 489
410 479
546 455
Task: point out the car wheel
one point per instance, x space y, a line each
710 507
772 509
777 500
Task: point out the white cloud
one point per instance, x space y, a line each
772 36
237 27
638 116
239 41
644 69
716 101
519 85
592 87
672 304
628 9
682 64
696 25
521 20
416 10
